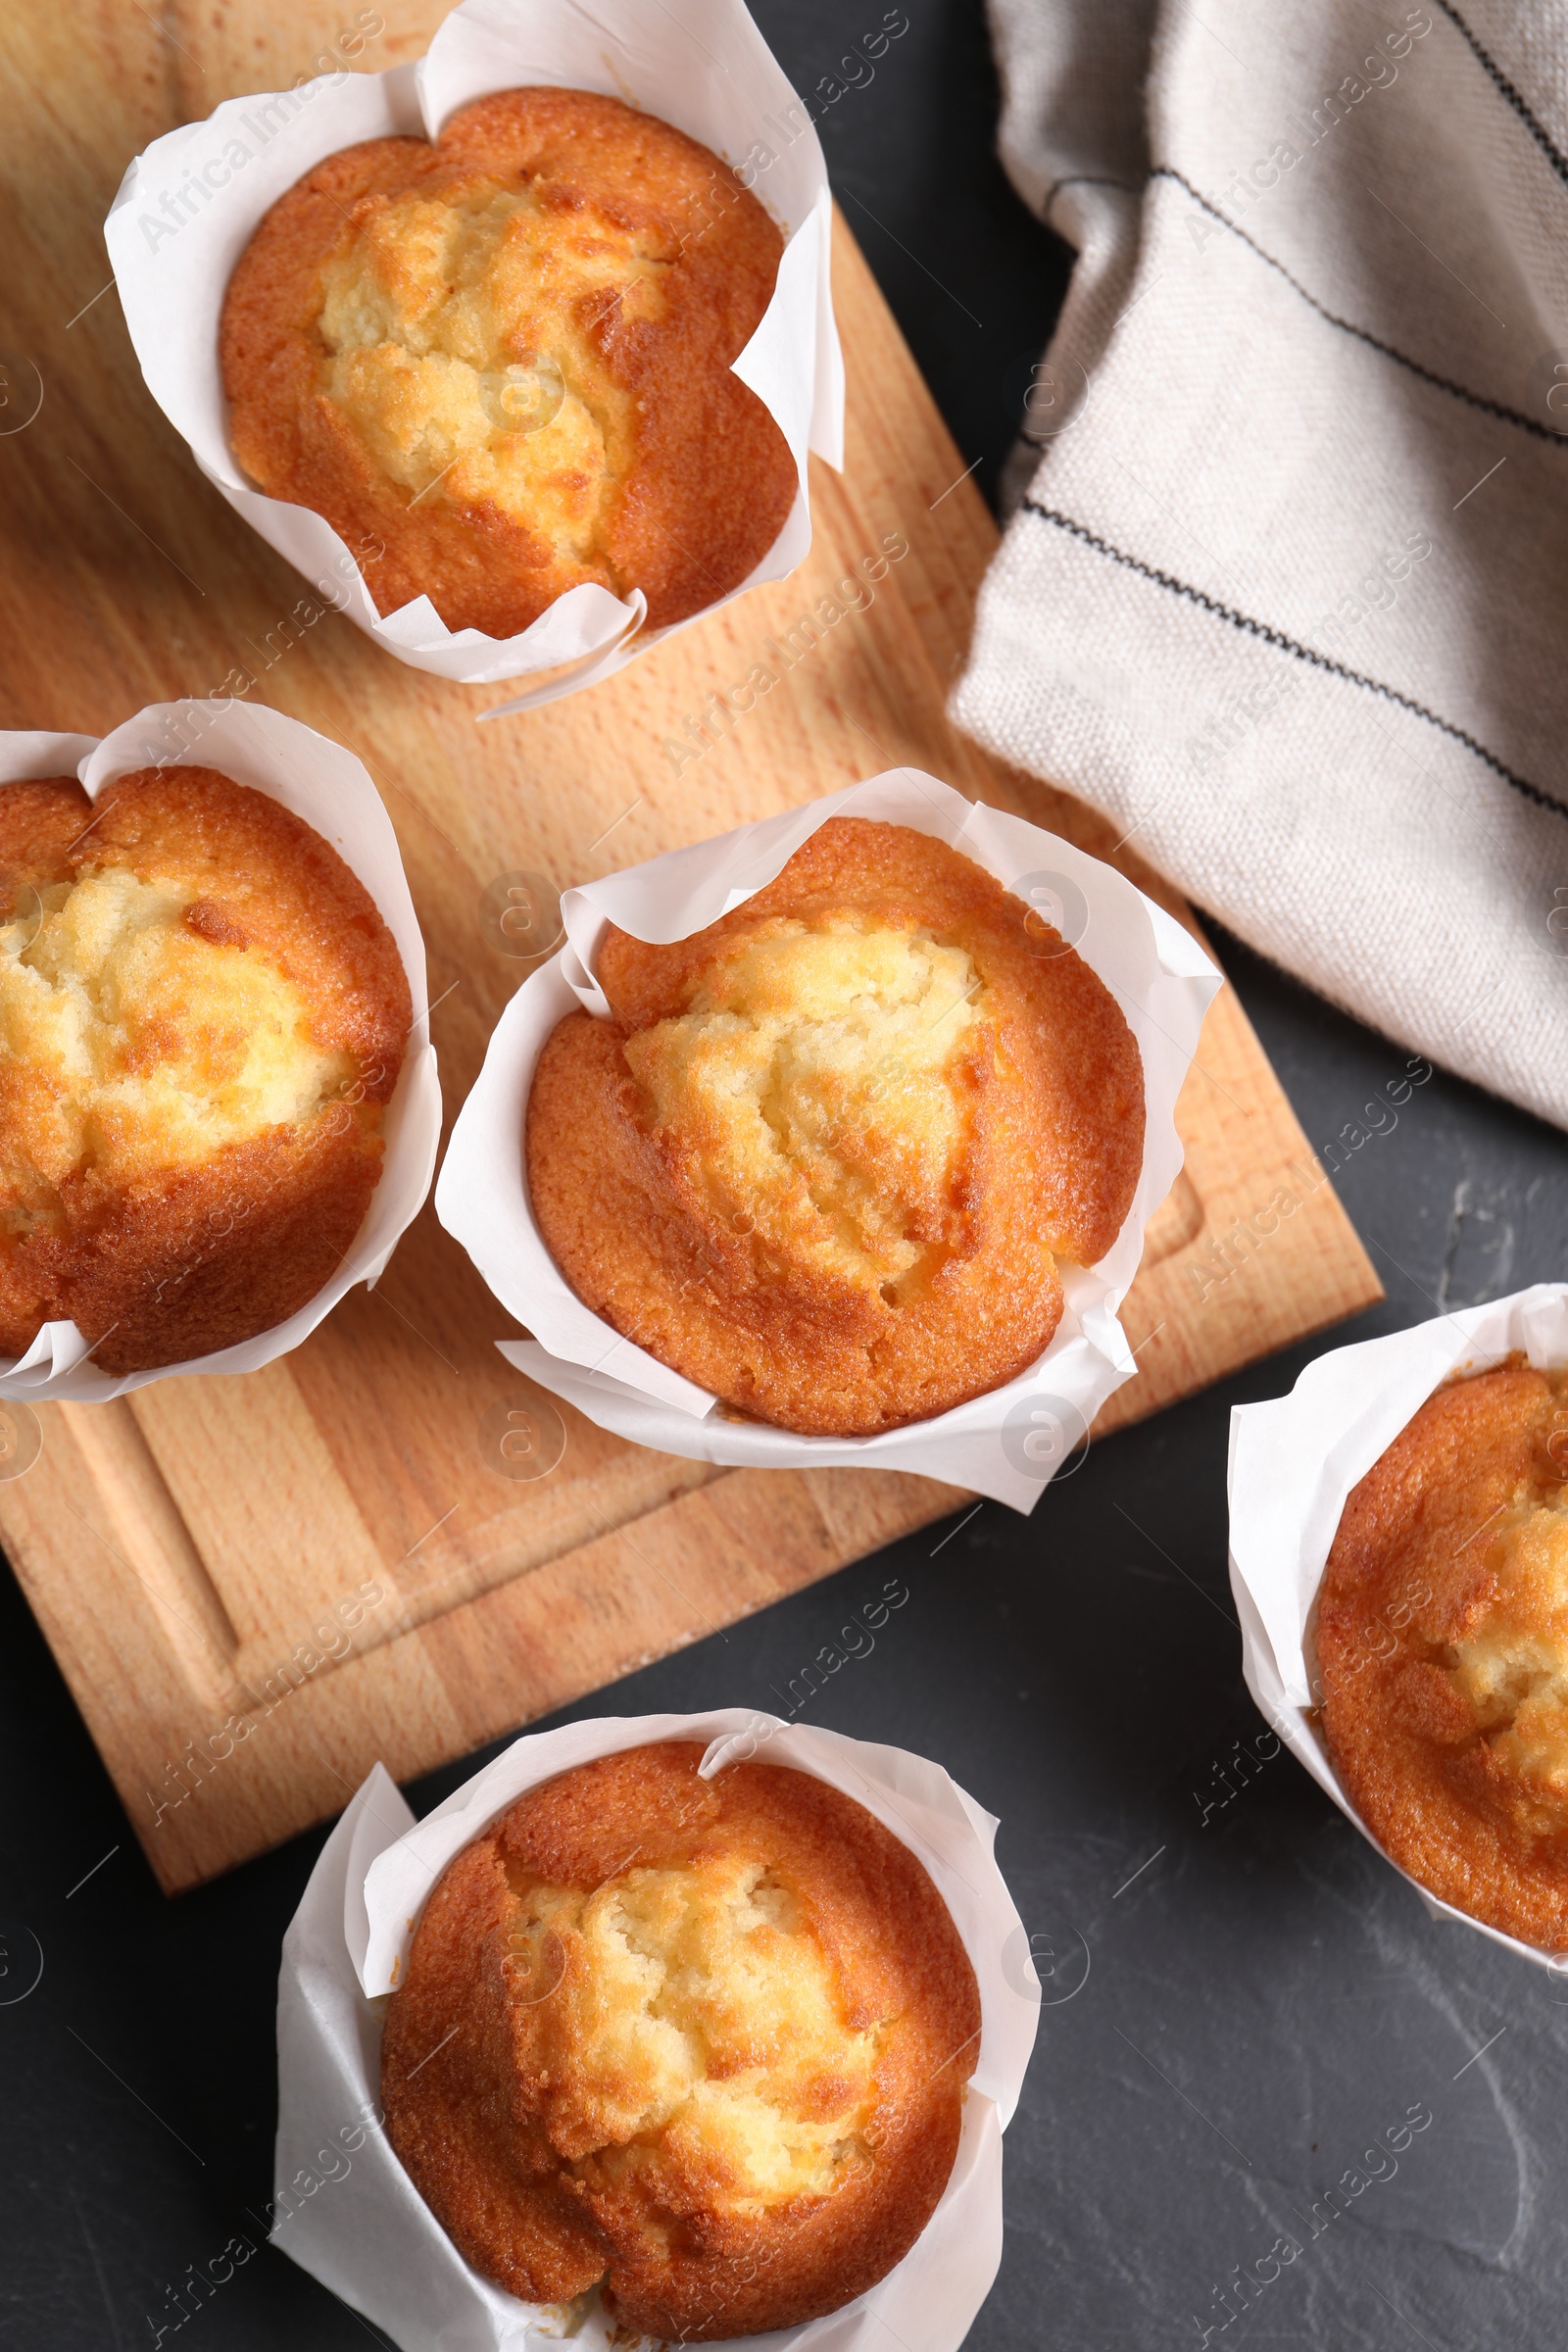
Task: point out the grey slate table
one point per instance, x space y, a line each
1240 1996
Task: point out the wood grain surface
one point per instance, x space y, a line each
256 1587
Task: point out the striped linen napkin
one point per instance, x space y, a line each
1285 591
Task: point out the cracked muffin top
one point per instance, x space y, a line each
1443 1639
202 1017
504 361
700 2042
826 1158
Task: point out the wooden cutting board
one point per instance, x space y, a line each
256 1587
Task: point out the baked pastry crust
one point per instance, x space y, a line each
827 1156
202 1017
705 2041
503 360
1442 1642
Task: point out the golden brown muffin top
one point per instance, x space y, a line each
503 360
1442 1639
703 2041
192 983
827 1154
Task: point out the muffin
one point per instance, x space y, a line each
202 1019
1442 1641
500 363
828 1153
704 2043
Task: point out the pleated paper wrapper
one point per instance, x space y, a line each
189 205
364 2230
1293 1462
326 787
1007 1444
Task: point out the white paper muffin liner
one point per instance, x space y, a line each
1007 1444
365 2230
189 205
326 787
1293 1462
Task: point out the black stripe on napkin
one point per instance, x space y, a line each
1288 645
1554 155
1474 400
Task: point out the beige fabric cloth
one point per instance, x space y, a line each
1287 594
